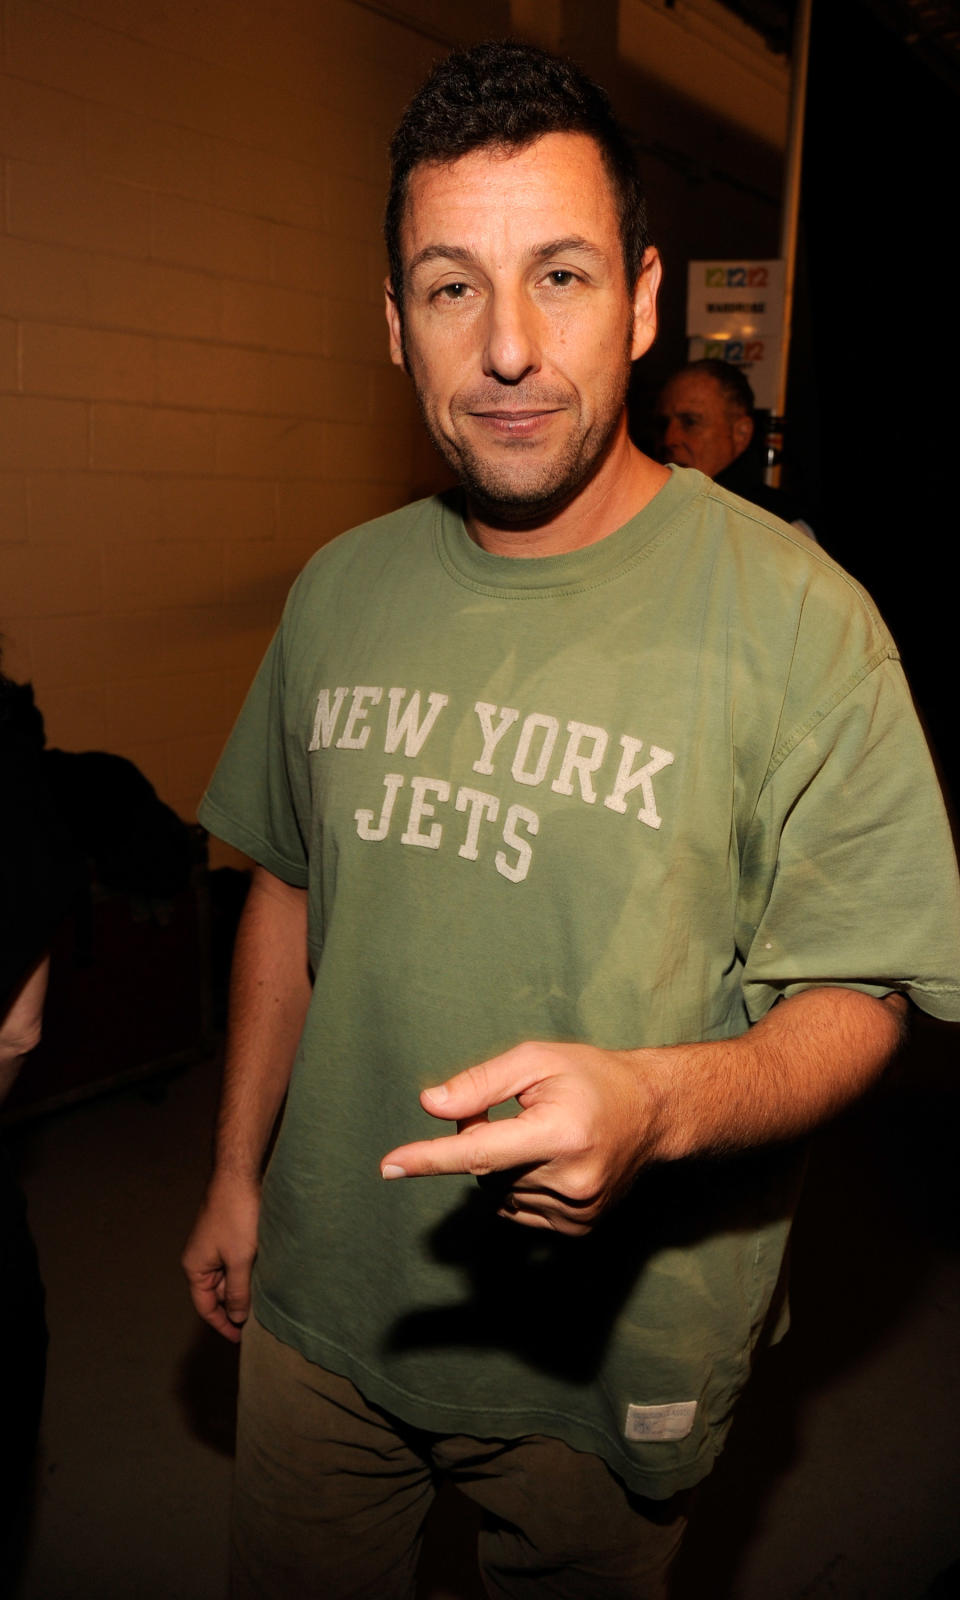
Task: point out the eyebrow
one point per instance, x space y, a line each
541 252
574 242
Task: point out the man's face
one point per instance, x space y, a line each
518 326
698 426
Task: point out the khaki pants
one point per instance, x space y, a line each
331 1495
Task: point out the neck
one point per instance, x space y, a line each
624 483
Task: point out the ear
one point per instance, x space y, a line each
742 431
645 303
393 324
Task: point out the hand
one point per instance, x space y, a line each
219 1254
585 1129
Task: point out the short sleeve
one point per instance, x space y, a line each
252 799
848 875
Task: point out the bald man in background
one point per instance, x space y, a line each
706 419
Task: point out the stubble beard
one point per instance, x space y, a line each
500 487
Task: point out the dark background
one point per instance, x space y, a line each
870 433
873 338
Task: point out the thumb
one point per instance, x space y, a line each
236 1296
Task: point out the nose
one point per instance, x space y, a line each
511 350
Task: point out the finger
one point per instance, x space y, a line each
531 1217
489 1083
221 1323
205 1292
236 1294
463 1123
522 1141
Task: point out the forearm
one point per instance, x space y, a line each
269 995
590 1119
21 1027
805 1060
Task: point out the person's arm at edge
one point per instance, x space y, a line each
20 1028
269 995
591 1118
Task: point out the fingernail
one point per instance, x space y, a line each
392 1172
440 1093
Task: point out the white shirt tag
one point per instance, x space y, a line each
660 1422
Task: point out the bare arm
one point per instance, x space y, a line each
269 995
20 1028
591 1118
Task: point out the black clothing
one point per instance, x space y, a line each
740 479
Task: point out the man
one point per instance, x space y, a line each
586 788
41 870
706 420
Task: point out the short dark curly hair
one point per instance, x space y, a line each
505 94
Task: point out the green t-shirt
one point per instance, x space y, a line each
631 795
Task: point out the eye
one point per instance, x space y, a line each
560 277
452 291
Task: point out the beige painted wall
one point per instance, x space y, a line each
194 389
701 51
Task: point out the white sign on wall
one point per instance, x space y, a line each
734 313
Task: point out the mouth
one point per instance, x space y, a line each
514 424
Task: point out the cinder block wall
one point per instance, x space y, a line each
194 386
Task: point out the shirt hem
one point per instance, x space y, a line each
504 1422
